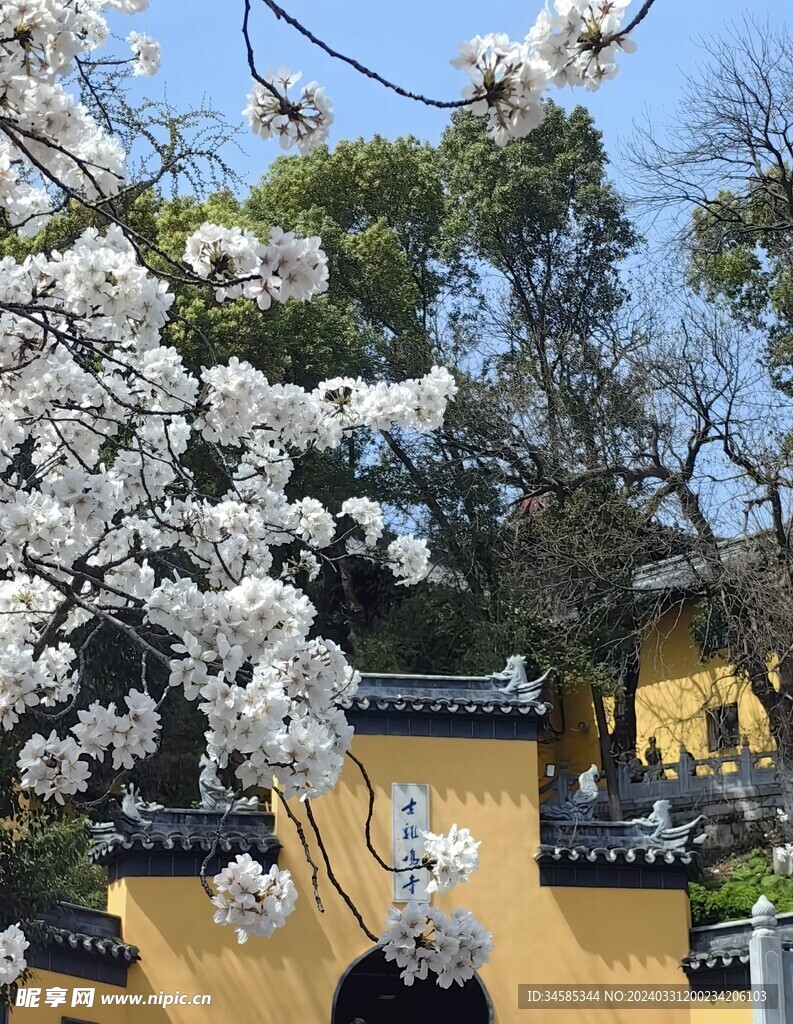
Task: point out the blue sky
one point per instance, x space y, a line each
410 42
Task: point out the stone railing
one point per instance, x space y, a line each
688 780
721 954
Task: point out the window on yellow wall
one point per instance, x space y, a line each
723 727
709 630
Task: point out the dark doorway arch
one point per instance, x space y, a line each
370 990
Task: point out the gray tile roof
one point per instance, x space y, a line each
466 695
94 944
88 931
616 854
723 945
183 829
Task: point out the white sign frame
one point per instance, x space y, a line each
407 842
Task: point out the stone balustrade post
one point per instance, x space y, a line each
766 963
563 783
623 780
746 766
684 771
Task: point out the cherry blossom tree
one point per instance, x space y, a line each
102 522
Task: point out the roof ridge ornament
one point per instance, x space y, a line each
518 684
581 806
214 795
133 806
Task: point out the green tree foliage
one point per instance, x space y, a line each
728 156
46 857
44 862
439 630
380 209
542 212
746 262
503 490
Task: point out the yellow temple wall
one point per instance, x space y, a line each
701 1013
550 935
578 746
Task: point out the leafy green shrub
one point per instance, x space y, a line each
44 861
729 892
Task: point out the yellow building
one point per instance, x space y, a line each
682 699
685 699
560 915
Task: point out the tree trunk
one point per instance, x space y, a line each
781 720
606 760
778 707
623 738
784 775
354 612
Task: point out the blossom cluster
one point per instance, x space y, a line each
52 767
451 858
26 681
581 42
237 263
147 53
47 131
423 940
12 954
106 414
132 736
409 558
367 515
303 123
507 82
253 901
285 722
577 45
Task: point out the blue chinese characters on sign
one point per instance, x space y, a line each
410 803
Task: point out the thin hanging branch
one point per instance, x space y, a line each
202 875
306 851
368 827
285 106
334 881
282 15
645 10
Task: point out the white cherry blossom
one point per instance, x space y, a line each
409 557
368 515
147 53
451 858
423 940
302 122
575 45
252 901
12 954
51 767
102 523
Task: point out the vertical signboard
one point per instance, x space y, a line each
410 803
